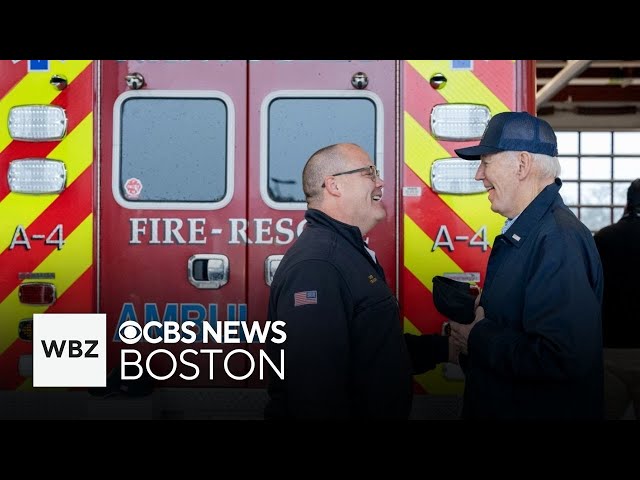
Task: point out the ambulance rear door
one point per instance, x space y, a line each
172 178
296 108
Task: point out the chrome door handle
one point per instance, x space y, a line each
208 270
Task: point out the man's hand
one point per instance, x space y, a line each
460 332
454 351
478 295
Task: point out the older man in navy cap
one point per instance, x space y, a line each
534 349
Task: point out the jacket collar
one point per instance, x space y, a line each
530 216
351 233
634 213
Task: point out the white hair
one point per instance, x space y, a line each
549 166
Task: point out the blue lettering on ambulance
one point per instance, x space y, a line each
151 315
196 312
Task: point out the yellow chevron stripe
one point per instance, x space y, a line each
76 150
434 381
68 264
410 327
462 85
34 88
418 257
421 150
422 262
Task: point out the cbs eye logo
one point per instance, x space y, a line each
130 332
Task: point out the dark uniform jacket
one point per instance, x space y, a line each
345 355
538 352
619 247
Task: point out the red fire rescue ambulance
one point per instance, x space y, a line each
170 189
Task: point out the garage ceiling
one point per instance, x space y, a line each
589 94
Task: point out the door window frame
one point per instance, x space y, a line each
264 135
230 157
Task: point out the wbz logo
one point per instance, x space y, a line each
69 350
75 348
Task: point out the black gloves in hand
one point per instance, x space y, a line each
454 299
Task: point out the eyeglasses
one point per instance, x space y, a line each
373 173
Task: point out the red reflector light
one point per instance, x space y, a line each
37 293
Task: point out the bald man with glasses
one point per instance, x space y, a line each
345 353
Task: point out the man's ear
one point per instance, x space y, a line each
525 162
332 187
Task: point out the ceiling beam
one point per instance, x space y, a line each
562 78
590 82
598 94
594 64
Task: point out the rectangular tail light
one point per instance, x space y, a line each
37 293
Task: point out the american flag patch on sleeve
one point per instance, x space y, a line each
309 297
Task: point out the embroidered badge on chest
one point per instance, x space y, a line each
308 297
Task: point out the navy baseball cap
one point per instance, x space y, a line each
514 131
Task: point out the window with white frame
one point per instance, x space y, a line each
597 168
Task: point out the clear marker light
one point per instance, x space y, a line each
37 175
459 121
454 175
37 123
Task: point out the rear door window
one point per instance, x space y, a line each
299 123
173 150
